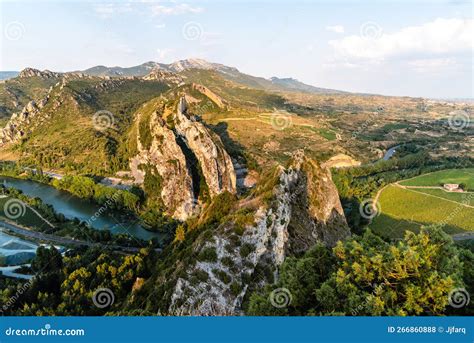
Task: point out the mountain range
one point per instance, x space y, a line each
274 83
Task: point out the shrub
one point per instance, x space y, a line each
208 255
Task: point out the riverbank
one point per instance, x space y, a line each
44 237
98 217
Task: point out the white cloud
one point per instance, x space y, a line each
174 10
439 37
335 28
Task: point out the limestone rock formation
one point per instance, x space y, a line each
176 153
158 74
210 94
214 160
165 158
19 123
304 209
30 72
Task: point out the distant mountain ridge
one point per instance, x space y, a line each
230 73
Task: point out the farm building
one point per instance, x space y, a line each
452 187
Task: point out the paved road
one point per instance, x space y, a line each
463 236
62 240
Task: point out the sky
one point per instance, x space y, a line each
412 48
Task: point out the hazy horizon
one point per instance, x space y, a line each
415 49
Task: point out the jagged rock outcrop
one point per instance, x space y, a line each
214 160
30 72
210 94
304 209
19 123
165 158
176 153
197 63
158 74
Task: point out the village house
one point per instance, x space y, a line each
452 187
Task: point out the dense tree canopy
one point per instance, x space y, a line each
371 277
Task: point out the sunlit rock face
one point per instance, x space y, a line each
177 150
304 209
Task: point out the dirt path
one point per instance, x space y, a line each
377 196
39 215
429 187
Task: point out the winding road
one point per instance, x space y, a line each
20 230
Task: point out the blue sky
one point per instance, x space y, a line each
415 48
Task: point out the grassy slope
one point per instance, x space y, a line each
68 139
403 209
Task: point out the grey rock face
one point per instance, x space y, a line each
305 210
175 168
214 160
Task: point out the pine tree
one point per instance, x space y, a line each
180 234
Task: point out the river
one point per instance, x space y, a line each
389 153
74 207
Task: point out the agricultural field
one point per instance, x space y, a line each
464 198
404 209
459 176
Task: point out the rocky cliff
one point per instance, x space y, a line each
299 206
215 162
19 124
166 161
180 151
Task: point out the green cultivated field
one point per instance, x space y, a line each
408 209
439 178
463 198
